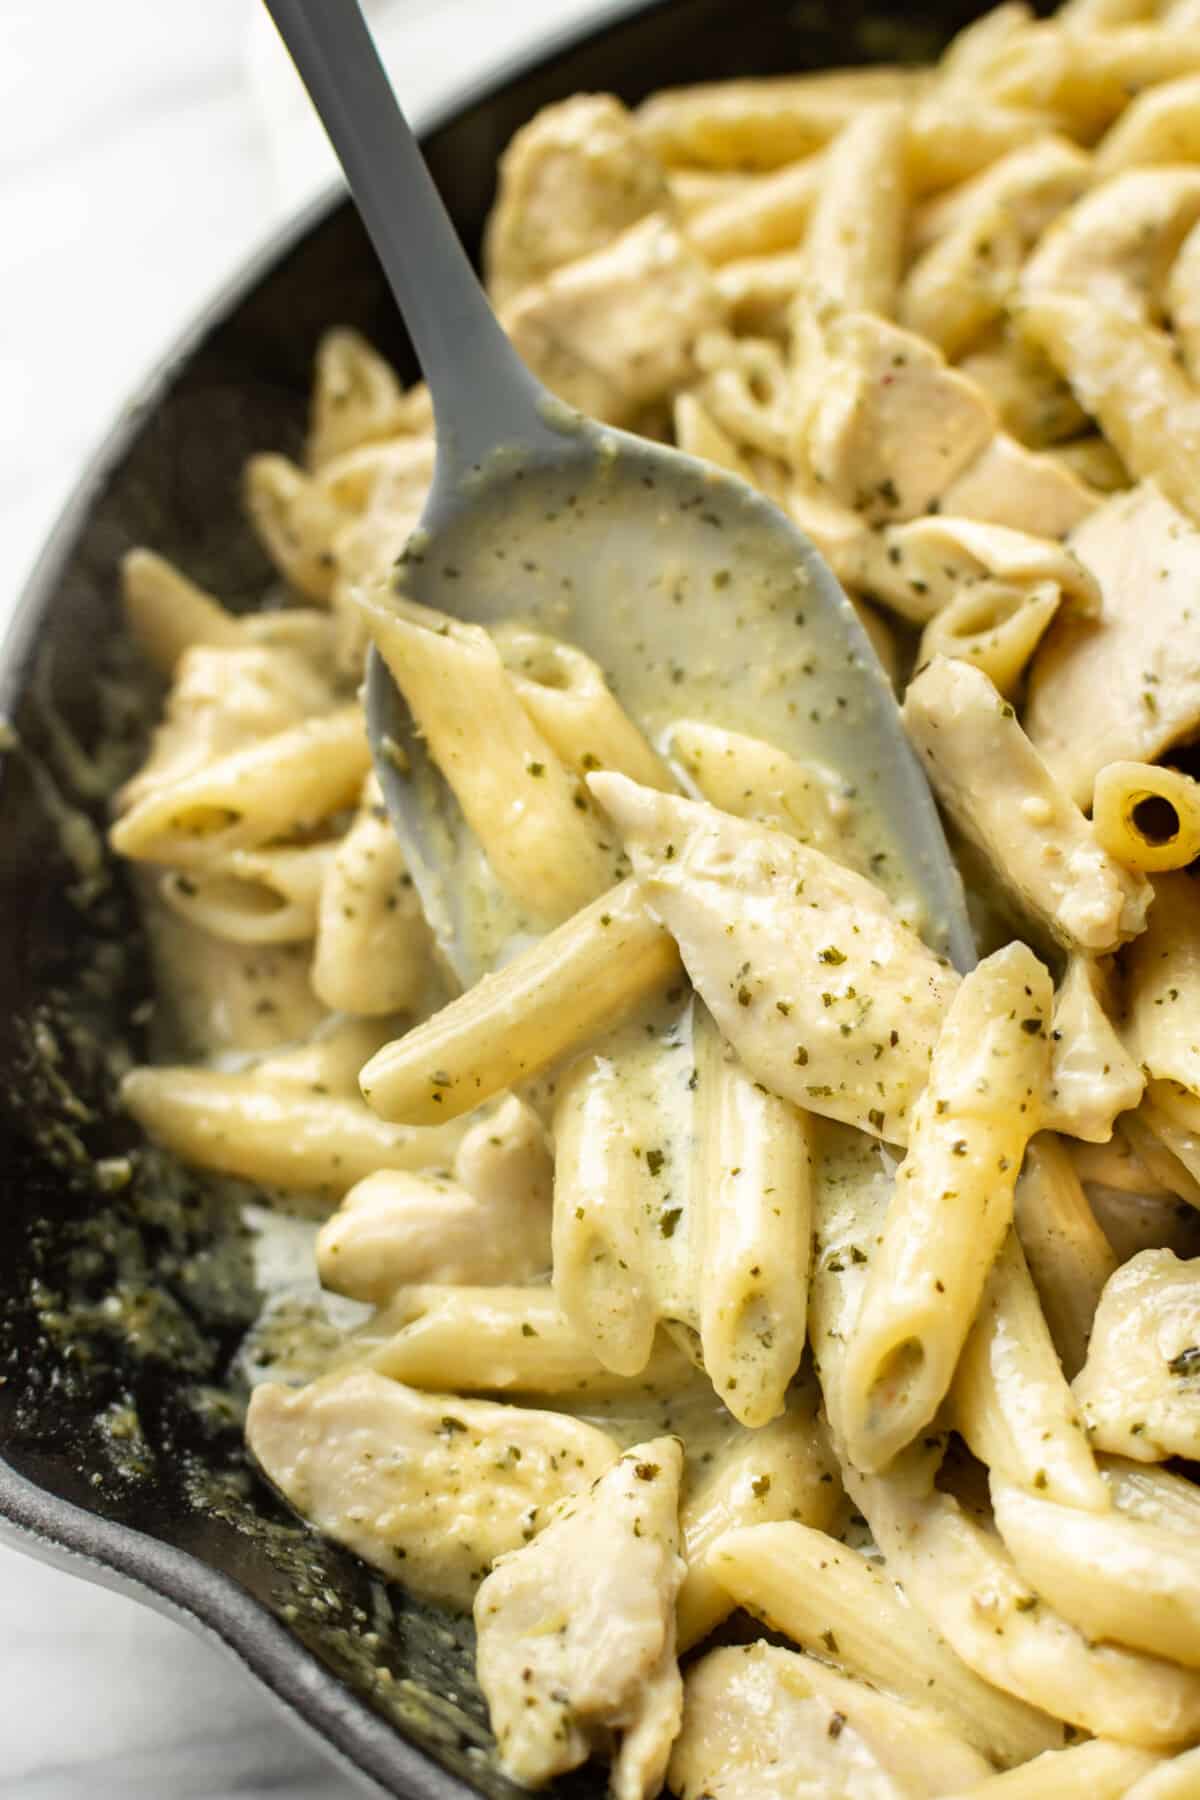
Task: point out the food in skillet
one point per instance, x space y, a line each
724 1248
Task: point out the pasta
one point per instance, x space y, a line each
719 1246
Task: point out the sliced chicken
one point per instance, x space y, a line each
487 1222
576 1632
1139 1390
1125 686
613 332
1000 794
886 424
430 1488
826 996
570 180
762 1723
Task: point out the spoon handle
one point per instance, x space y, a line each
483 395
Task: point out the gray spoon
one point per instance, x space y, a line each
697 596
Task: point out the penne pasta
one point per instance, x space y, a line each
297 523
1147 817
529 814
575 983
501 1340
1068 1254
1009 1400
770 216
266 896
357 399
566 696
166 613
1096 1770
835 1602
784 1470
275 1133
1001 795
751 1242
951 1208
853 241
760 124
283 786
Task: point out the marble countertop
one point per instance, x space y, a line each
146 147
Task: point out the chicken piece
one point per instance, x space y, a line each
762 1723
573 178
826 996
490 1222
1126 686
890 425
613 332
1139 1390
576 1632
223 698
1117 245
1093 1078
429 1488
1001 795
922 567
1011 486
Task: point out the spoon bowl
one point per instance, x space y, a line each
697 597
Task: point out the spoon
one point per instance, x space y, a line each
695 594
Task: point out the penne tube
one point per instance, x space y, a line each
373 952
853 242
1147 816
1001 795
357 399
1096 1770
698 434
278 787
749 778
501 1340
694 191
1010 1401
948 143
746 389
1182 304
267 896
952 1205
1160 125
785 1470
758 291
1170 1150
761 220
1177 1779
1093 1078
752 1238
274 1132
761 123
607 1198
1125 375
1113 247
832 1600
1034 403
760 1721
297 523
166 613
1118 1578
1151 1493
566 696
565 990
962 1578
1068 1255
996 626
534 822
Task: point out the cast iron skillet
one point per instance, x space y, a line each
120 1450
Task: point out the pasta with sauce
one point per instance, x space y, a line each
721 1247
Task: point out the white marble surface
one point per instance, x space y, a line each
145 147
